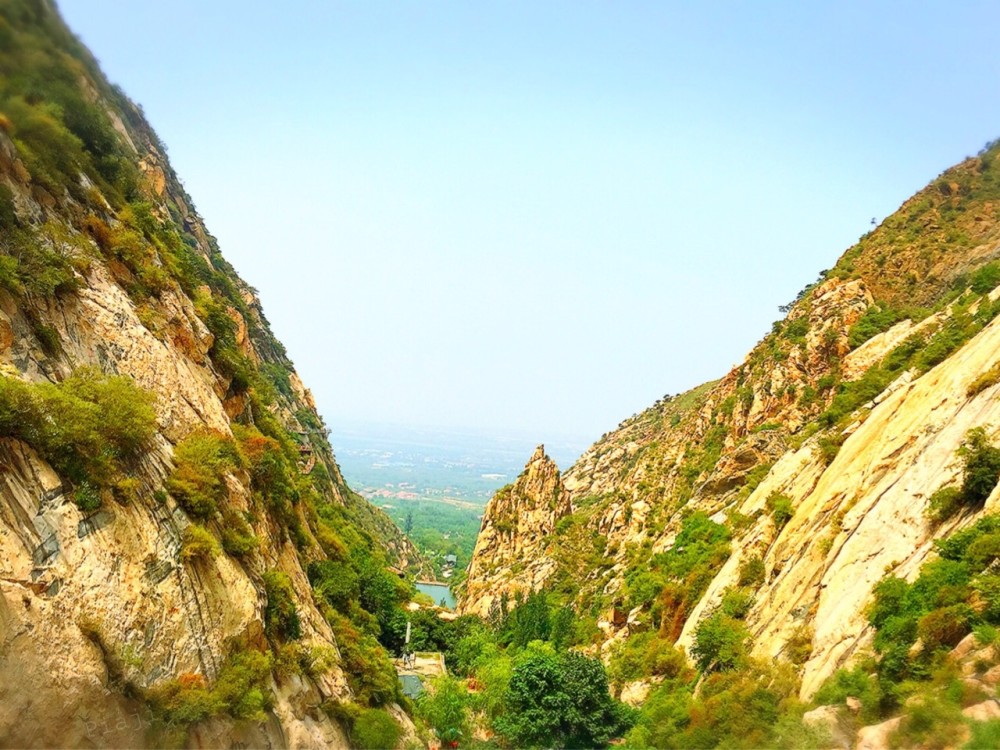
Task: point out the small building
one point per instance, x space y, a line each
450 560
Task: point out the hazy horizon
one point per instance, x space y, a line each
541 217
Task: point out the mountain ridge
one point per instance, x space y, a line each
170 507
899 328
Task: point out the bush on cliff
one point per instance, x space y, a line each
88 427
201 462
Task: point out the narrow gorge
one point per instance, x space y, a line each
803 553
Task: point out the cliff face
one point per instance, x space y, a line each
517 522
123 570
819 453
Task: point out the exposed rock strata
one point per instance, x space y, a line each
100 606
859 484
516 523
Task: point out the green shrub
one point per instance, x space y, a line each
645 655
987 587
781 509
9 221
374 729
369 672
201 461
560 700
240 691
281 616
985 279
736 603
663 718
47 336
985 735
955 546
335 582
943 628
242 685
958 329
988 379
829 447
719 643
982 552
928 722
852 394
272 467
875 320
859 682
982 467
198 544
529 620
88 427
238 539
446 710
750 707
952 596
944 504
752 570
796 330
981 460
87 497
680 575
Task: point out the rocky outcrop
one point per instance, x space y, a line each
517 523
98 608
855 480
859 517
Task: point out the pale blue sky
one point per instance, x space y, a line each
542 216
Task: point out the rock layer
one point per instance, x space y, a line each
99 607
857 480
517 521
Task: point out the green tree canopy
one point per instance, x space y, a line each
560 700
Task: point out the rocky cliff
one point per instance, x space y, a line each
808 469
165 479
517 522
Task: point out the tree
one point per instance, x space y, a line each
528 621
408 523
446 709
719 642
374 729
559 700
982 467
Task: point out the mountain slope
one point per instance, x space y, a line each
520 516
165 480
805 473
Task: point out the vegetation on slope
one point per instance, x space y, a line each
84 183
914 672
91 428
524 678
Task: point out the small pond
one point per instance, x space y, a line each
438 592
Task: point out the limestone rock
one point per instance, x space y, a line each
831 721
876 737
636 692
98 607
985 711
516 526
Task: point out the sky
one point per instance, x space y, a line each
540 217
